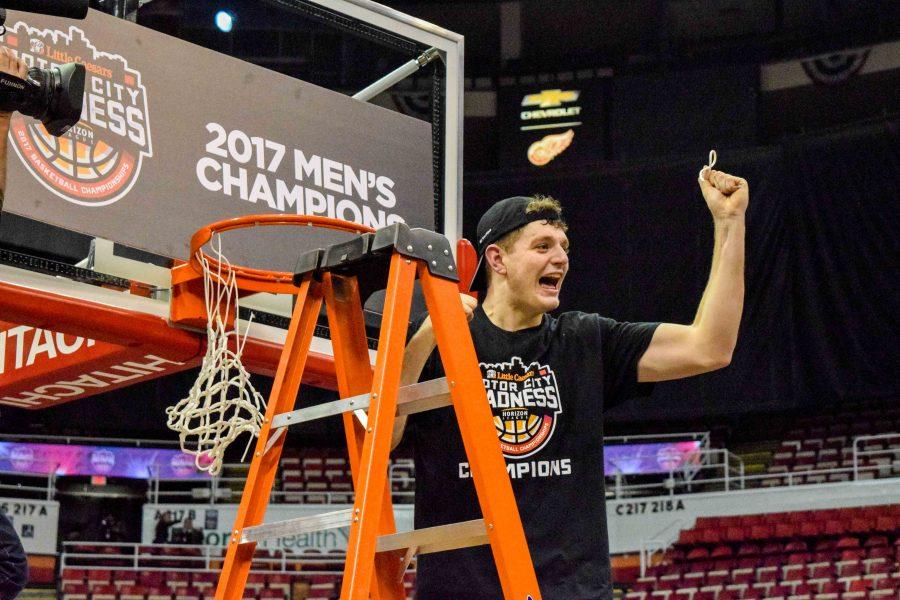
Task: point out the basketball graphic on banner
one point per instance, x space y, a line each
99 159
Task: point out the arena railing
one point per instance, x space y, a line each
720 470
722 466
659 543
21 488
725 472
122 556
891 452
223 489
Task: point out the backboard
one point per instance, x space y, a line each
68 332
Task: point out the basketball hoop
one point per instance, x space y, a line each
222 403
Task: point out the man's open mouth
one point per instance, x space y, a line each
550 282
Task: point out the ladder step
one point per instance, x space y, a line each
418 397
330 520
437 539
427 540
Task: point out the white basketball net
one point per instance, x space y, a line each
222 403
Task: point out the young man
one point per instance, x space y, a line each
548 381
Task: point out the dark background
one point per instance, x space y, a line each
679 77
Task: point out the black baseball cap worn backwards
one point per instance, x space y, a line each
505 216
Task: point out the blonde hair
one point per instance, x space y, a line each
538 204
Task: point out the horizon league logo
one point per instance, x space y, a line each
525 402
98 160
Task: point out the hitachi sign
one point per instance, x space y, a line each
22 345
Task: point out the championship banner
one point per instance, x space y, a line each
551 125
163 523
174 136
35 521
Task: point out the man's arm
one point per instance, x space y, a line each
12 65
707 344
419 348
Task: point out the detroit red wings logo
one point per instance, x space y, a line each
525 402
99 159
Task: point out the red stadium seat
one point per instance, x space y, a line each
761 532
685 594
73 577
821 570
796 545
98 577
694 579
853 554
831 587
721 551
192 593
159 593
256 581
698 553
178 579
133 592
669 582
73 591
734 533
744 576
104 592
803 589
279 581
767 574
644 584
847 542
875 541
811 529
796 572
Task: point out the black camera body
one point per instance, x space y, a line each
54 96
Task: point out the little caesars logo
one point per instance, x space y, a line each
97 161
525 402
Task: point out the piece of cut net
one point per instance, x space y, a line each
222 404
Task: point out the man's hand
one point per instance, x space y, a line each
726 195
469 304
13 66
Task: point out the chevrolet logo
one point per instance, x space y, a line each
548 98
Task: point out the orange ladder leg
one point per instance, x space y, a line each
264 465
354 377
372 478
495 495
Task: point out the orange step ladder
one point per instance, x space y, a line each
377 555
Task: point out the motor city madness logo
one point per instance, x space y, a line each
525 403
99 159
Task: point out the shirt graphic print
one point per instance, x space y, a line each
525 402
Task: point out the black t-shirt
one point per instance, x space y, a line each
547 386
